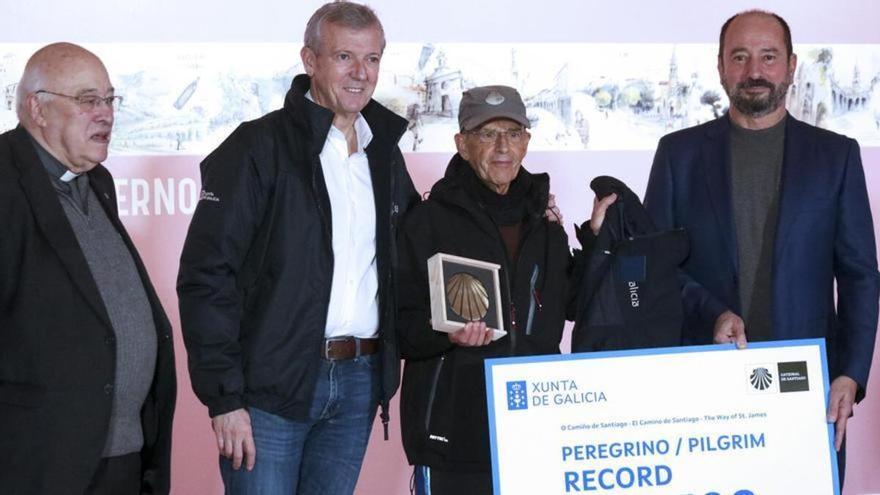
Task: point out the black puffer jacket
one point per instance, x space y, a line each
443 398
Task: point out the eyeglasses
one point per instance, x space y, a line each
490 136
89 103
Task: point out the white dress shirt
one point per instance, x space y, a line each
354 304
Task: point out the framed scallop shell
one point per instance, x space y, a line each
467 297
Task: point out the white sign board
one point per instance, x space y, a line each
677 421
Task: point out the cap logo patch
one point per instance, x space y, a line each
494 98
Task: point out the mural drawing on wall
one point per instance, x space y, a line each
186 98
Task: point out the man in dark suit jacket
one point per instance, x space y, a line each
777 212
87 382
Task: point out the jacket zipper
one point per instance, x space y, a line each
506 270
433 392
391 288
534 301
510 303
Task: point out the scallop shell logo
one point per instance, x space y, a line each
467 297
761 378
494 98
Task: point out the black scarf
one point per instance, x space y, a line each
505 209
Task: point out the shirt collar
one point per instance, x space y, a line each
364 133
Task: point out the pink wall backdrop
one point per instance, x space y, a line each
157 192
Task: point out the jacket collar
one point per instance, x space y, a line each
315 120
451 189
51 219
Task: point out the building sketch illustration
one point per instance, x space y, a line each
186 98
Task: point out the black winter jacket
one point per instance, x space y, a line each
257 265
443 398
57 344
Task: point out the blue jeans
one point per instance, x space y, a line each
322 455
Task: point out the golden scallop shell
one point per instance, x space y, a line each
467 297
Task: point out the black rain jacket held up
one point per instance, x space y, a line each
629 297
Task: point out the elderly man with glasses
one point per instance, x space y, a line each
489 208
87 382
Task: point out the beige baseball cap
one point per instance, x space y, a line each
485 103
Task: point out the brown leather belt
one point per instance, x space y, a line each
348 348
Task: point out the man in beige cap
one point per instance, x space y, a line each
487 207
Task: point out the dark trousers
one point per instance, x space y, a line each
430 481
119 475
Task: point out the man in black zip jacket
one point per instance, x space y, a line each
487 207
286 279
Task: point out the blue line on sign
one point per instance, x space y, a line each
650 352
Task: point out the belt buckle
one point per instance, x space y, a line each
330 341
327 344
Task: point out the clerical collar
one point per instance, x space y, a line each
63 179
68 176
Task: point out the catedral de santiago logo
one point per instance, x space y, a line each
781 377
